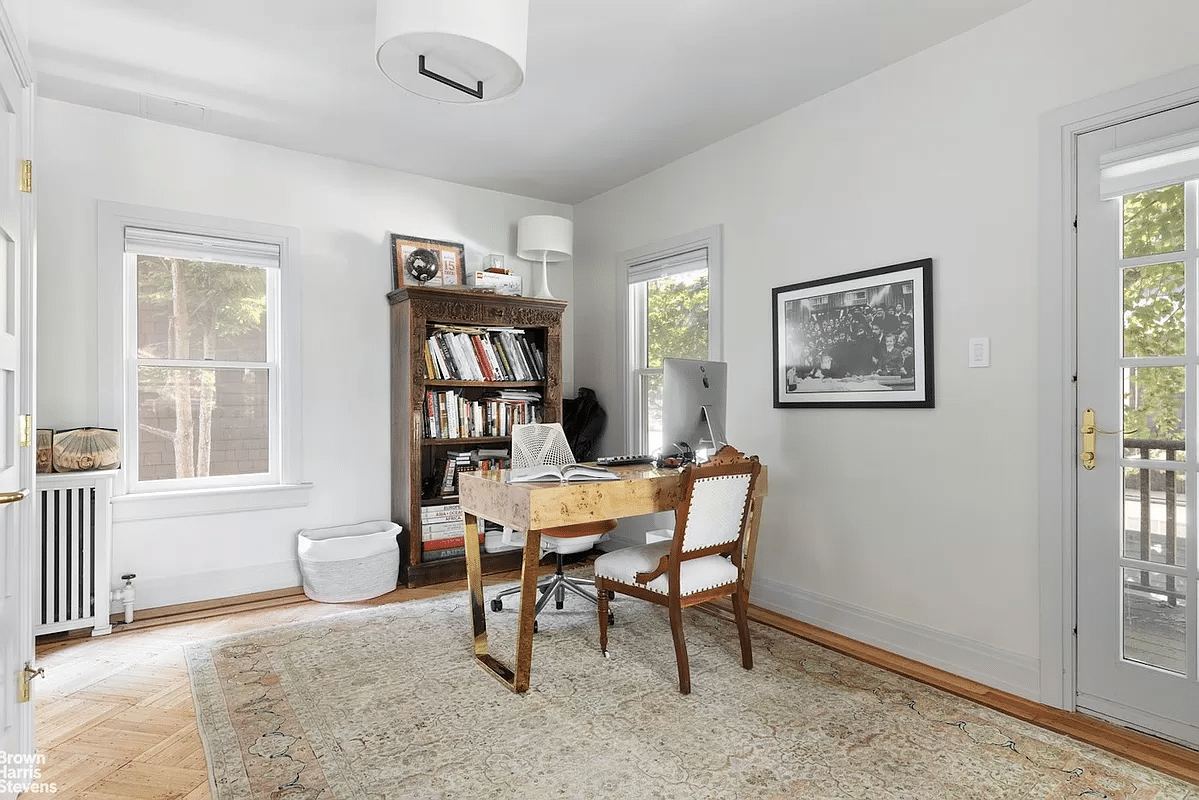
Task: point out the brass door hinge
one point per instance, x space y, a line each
26 175
26 435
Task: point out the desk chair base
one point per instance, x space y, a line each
555 586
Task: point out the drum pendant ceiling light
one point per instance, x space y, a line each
454 51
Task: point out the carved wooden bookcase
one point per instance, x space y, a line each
415 311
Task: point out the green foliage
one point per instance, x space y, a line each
218 302
678 318
1154 222
193 310
1154 312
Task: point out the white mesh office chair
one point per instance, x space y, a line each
538 445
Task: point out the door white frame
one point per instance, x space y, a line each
1057 417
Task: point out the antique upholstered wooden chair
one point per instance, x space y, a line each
702 562
537 445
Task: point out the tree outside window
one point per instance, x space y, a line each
203 369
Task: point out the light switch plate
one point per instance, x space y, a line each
980 352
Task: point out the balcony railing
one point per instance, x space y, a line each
1169 497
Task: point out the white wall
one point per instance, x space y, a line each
912 529
344 212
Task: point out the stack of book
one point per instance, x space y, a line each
463 353
487 459
443 532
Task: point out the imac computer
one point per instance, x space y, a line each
694 395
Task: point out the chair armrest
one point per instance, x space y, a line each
663 565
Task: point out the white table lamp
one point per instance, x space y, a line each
546 238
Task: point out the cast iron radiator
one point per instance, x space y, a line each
73 533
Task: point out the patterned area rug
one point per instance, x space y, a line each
387 703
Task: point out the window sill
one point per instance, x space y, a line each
196 502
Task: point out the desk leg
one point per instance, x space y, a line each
517 681
474 584
528 610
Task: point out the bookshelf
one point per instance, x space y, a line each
419 447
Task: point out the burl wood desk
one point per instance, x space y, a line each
532 507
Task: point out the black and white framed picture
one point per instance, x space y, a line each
864 339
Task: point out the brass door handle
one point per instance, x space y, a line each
12 497
26 677
1088 439
1088 431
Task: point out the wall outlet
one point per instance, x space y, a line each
980 352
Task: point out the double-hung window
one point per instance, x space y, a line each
673 310
206 353
203 358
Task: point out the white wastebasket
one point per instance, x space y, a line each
348 563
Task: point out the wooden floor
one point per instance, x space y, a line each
115 719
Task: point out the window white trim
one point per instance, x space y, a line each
114 321
673 255
1149 165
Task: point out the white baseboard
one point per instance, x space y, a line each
152 592
999 669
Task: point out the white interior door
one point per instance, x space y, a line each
16 462
1138 370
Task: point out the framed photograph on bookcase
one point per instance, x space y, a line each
425 262
864 339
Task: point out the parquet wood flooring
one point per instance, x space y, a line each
114 714
115 719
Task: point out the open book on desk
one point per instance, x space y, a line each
569 472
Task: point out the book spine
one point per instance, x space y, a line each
432 429
441 555
497 369
451 511
526 350
430 371
447 543
447 356
451 408
469 360
443 370
447 477
476 341
502 338
440 530
539 358
526 374
432 521
498 344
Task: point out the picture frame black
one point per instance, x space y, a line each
412 256
858 340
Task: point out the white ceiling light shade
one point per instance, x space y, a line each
544 238
454 51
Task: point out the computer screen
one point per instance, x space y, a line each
694 396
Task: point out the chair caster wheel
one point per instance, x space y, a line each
611 618
611 595
558 606
497 605
534 626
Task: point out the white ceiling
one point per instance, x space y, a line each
614 88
